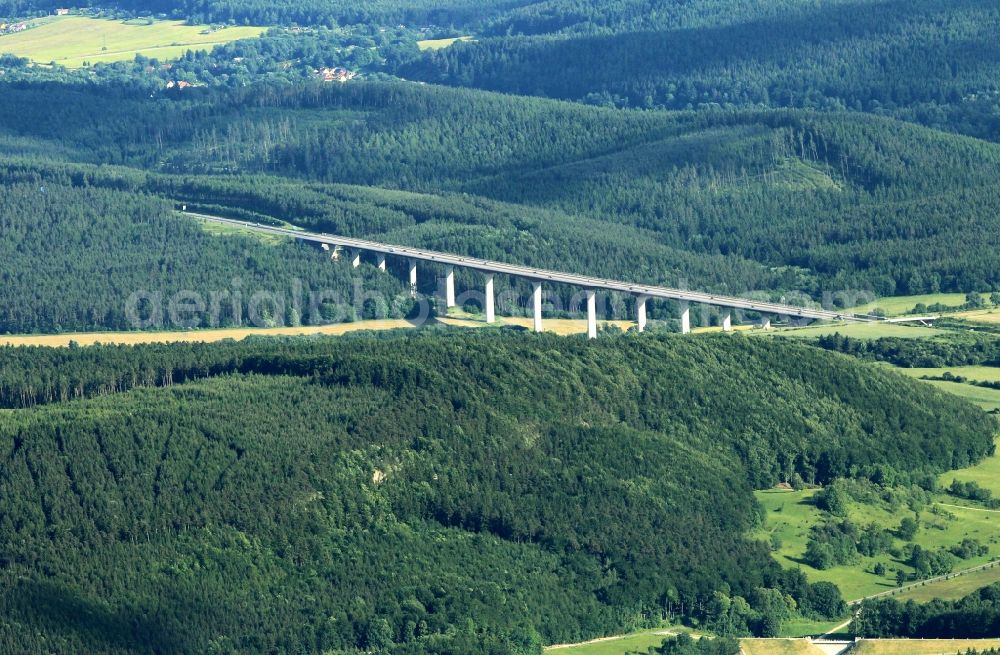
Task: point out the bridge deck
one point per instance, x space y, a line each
538 274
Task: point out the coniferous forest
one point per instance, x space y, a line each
435 493
491 491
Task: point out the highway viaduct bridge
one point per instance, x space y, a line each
641 292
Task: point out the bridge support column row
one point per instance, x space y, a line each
536 302
591 314
489 298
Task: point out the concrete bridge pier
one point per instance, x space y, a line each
356 258
488 300
591 314
536 302
381 261
332 249
449 286
413 278
640 312
685 317
727 322
765 324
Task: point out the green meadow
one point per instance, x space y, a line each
440 44
985 397
791 514
864 331
73 40
636 642
899 305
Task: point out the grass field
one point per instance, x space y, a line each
988 399
802 627
986 473
922 646
952 589
864 331
641 641
790 515
440 44
983 373
898 305
984 397
636 642
73 40
717 329
220 230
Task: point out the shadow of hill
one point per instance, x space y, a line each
54 609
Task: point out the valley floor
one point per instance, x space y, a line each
556 326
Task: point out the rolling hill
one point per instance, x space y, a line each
839 206
469 492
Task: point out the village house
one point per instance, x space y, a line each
335 74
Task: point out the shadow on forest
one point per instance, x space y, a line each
54 609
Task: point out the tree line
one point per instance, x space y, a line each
975 616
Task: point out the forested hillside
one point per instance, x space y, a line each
72 257
931 61
725 200
437 493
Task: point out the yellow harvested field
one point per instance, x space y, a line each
73 40
556 326
778 647
980 315
560 326
200 336
922 646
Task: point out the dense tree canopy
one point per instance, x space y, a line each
475 492
731 201
86 258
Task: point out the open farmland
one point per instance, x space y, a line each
791 515
922 646
73 40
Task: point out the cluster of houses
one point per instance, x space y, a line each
12 28
20 26
335 74
180 84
